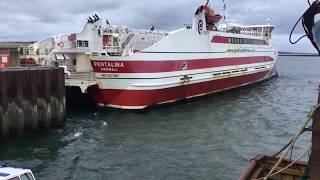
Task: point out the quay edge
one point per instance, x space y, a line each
31 99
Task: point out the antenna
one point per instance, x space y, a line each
269 21
224 9
207 2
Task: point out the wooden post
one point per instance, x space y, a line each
314 161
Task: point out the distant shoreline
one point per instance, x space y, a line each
285 53
301 55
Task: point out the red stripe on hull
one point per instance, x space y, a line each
220 39
141 98
106 66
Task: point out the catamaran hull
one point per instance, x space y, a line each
139 84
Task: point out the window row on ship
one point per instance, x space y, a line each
237 40
233 40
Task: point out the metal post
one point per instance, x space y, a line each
314 161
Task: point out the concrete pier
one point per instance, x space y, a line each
31 99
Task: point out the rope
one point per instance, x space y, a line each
302 130
307 19
285 147
296 24
285 168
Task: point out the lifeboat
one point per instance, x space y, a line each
211 16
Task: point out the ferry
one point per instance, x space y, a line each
142 69
72 51
15 173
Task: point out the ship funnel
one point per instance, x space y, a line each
95 15
90 20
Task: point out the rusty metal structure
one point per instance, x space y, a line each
261 165
314 162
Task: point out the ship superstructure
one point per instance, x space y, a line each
97 38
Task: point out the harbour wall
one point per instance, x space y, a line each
31 99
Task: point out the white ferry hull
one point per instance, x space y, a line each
139 84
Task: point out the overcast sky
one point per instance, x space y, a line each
32 20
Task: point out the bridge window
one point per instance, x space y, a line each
14 178
245 41
80 43
86 44
21 51
26 176
83 43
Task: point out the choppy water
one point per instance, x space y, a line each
208 138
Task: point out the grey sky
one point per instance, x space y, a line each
31 20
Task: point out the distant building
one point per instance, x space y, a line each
10 53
